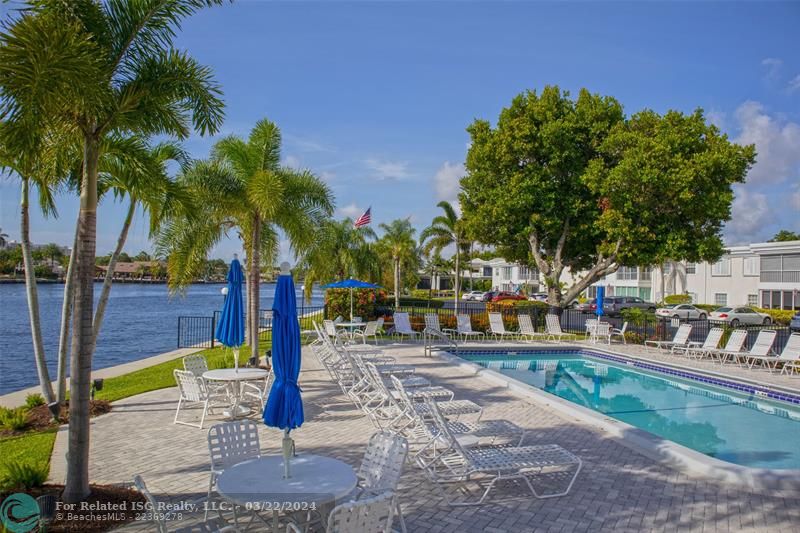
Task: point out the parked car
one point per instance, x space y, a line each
475 296
613 305
487 296
538 297
589 306
503 295
684 311
735 316
794 325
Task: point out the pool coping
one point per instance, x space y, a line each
665 451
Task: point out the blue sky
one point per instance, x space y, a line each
375 96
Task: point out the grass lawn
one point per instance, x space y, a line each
32 448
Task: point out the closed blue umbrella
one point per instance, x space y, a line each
351 284
601 292
285 406
230 329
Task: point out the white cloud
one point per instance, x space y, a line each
777 144
304 144
388 170
292 161
351 211
717 118
446 181
773 67
751 214
794 84
327 175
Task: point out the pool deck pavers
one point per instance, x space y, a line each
618 489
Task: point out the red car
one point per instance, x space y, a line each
507 296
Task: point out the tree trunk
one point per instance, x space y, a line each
77 485
33 295
457 281
66 321
396 265
255 279
109 278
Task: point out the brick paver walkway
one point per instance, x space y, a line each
618 490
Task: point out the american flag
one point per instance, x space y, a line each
364 219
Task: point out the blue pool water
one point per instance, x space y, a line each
731 426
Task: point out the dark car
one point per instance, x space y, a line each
589 306
794 325
487 296
613 305
500 296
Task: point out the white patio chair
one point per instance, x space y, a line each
381 468
790 356
618 332
700 349
229 444
370 330
459 464
159 517
402 327
601 330
733 347
590 324
554 330
370 515
198 365
498 329
464 328
454 408
194 390
680 339
526 328
761 350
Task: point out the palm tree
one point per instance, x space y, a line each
445 230
101 68
398 245
243 187
340 251
3 238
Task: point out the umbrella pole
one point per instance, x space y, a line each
351 305
236 359
287 446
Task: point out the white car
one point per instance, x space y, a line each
683 311
473 295
735 316
538 297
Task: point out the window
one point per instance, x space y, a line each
720 298
691 268
645 273
644 293
752 299
506 272
721 267
788 300
627 273
750 267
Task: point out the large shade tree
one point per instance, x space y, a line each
243 188
103 68
571 184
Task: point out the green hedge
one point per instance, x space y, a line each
420 302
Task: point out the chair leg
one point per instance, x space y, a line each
400 517
180 401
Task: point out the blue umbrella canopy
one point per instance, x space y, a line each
601 292
230 329
350 283
284 408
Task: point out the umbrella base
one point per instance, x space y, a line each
237 412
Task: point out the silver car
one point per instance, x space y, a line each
683 311
735 316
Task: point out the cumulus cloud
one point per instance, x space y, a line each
751 214
446 181
794 84
777 143
773 67
351 211
387 170
327 175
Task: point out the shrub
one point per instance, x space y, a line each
23 476
15 419
675 299
33 400
781 317
417 302
632 337
634 315
337 302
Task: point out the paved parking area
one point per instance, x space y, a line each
618 489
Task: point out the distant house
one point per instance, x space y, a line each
133 270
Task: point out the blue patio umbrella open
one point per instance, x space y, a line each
284 408
351 284
601 292
230 329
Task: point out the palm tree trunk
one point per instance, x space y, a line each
77 485
458 278
112 263
66 316
396 283
33 296
254 294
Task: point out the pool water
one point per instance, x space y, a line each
738 428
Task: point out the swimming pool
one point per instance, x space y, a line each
742 427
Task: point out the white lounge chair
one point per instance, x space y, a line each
402 327
680 339
194 390
464 328
554 330
700 349
761 349
455 463
526 329
733 347
453 408
498 329
790 356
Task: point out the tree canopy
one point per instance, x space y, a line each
572 184
785 235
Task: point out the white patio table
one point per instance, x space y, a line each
351 326
258 485
235 378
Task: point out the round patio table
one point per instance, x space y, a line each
258 485
235 378
351 327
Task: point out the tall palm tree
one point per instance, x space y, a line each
244 188
103 68
446 230
340 251
399 246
